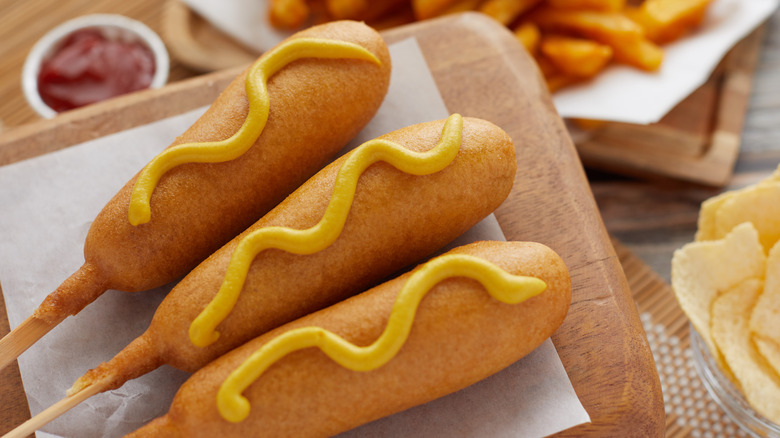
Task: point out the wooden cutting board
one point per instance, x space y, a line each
481 71
698 141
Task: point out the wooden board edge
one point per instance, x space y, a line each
109 117
715 166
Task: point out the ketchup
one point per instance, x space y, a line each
88 68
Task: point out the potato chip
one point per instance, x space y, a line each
709 209
770 351
760 205
773 178
703 270
707 215
731 332
765 320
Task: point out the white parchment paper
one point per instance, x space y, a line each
49 203
621 93
626 94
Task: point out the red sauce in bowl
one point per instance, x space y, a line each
88 68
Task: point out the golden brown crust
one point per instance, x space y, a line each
81 288
396 219
316 106
460 336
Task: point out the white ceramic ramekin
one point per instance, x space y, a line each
112 27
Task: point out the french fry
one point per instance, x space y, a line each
507 11
576 57
425 9
640 53
398 17
598 5
589 124
546 67
559 81
288 14
346 9
604 27
364 10
529 36
461 6
553 77
667 20
614 29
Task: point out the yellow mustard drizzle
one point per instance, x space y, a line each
139 211
311 240
503 286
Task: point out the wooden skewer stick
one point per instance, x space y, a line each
57 409
22 337
78 290
133 361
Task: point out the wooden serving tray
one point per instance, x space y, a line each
698 141
481 71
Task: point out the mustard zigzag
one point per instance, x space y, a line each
505 287
139 211
203 332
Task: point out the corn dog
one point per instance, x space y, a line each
395 219
459 334
298 113
384 205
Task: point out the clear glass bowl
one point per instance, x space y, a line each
728 397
